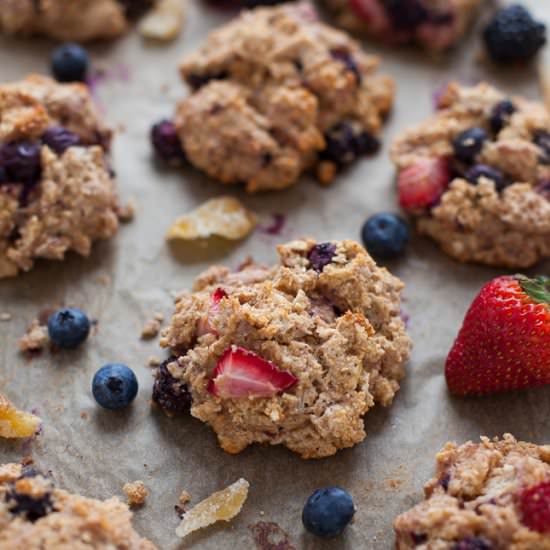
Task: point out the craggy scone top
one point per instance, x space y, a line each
485 496
77 20
327 319
56 189
502 219
34 515
277 92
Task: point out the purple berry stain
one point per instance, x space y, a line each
166 141
321 255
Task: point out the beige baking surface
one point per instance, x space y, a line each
97 454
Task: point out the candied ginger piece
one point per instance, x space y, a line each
222 216
165 21
220 506
15 423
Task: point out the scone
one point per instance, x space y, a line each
78 20
275 93
493 495
34 515
57 192
476 176
434 24
294 354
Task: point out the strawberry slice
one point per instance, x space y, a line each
422 184
205 326
242 373
372 13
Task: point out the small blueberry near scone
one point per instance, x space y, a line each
385 235
114 386
69 63
328 511
68 327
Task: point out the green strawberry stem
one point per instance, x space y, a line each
538 289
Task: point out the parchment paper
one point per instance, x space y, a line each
94 452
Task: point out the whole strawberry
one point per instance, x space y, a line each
504 342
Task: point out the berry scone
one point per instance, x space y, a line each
275 93
57 192
294 354
78 20
476 176
434 24
493 495
35 515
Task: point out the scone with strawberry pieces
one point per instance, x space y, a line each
57 192
476 176
492 495
35 515
276 93
294 354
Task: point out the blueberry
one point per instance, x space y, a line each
68 327
469 143
328 511
349 62
479 170
542 139
171 394
500 115
419 538
21 162
406 15
513 36
32 507
385 235
60 139
343 145
197 81
114 386
321 255
3 176
472 543
166 141
69 63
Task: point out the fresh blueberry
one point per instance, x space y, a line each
21 162
385 235
482 170
349 62
69 63
68 327
328 511
114 386
469 143
171 394
500 115
166 141
60 139
321 255
472 543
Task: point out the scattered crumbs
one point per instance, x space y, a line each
135 492
84 415
394 483
152 327
269 536
5 316
179 511
326 172
154 361
35 339
185 497
103 280
127 212
262 513
27 460
276 226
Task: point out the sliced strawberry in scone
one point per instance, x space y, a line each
372 12
242 373
204 325
422 184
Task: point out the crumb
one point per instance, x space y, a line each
154 361
136 493
27 460
262 513
103 280
152 327
326 172
394 483
126 213
5 316
84 415
185 497
179 511
35 339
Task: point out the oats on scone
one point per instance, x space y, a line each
294 354
77 20
57 192
434 24
493 495
34 515
476 176
275 93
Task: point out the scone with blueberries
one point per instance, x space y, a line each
476 176
276 93
293 354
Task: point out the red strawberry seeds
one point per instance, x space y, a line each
534 504
504 342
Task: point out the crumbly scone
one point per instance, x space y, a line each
78 20
492 208
485 496
34 515
434 24
320 335
275 92
57 192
